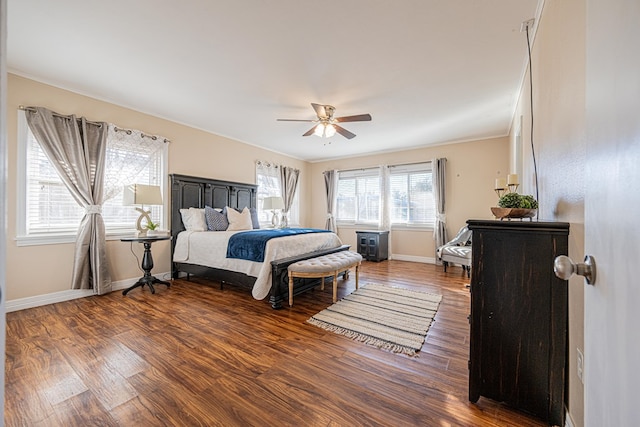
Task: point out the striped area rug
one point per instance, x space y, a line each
390 318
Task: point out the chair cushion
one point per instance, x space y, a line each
456 254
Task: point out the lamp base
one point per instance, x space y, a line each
142 231
275 220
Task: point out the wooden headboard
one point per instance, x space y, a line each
195 192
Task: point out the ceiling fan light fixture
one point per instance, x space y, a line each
327 125
329 131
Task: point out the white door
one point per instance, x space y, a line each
612 213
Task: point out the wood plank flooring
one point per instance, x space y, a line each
196 355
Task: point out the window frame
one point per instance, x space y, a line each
294 212
410 169
354 174
23 238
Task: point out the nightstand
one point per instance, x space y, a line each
147 263
373 245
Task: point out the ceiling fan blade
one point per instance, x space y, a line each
294 120
356 118
310 131
342 131
320 110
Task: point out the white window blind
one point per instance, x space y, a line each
358 196
48 213
411 194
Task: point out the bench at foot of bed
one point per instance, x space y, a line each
325 266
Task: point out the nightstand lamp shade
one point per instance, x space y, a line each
272 204
140 194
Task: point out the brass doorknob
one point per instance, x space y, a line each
564 267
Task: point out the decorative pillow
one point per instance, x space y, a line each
254 218
193 219
238 220
216 220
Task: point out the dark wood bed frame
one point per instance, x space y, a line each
190 191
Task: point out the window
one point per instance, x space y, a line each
358 196
48 213
411 195
406 192
268 181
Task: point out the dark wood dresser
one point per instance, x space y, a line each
518 319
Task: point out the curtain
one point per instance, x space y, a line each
385 190
439 168
131 153
77 149
330 188
288 185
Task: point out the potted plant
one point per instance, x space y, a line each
514 205
152 228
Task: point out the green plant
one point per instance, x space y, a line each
515 200
528 202
509 200
152 225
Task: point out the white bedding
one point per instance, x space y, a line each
209 248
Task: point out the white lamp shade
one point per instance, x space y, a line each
329 131
140 194
273 203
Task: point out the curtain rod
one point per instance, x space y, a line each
358 169
388 166
410 164
142 134
33 110
117 129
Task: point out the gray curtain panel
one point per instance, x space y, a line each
76 148
330 184
439 169
288 184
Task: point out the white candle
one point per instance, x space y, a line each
512 179
500 184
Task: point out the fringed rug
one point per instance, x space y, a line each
390 318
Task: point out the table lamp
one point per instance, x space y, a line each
140 194
273 203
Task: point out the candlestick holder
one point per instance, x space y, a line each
513 188
500 191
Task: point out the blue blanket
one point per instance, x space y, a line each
250 245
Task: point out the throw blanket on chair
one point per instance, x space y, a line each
250 245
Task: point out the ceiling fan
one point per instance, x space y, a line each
327 125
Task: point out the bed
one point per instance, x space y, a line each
196 192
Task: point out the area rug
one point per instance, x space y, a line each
389 318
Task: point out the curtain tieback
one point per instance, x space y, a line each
329 216
442 217
93 209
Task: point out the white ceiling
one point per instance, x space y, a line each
428 71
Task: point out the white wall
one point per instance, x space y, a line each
559 143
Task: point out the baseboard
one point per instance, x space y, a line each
70 294
413 258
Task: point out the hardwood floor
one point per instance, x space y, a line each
195 355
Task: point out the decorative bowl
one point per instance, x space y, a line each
501 213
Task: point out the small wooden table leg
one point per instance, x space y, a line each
290 289
335 286
357 274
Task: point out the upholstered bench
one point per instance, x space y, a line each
324 266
